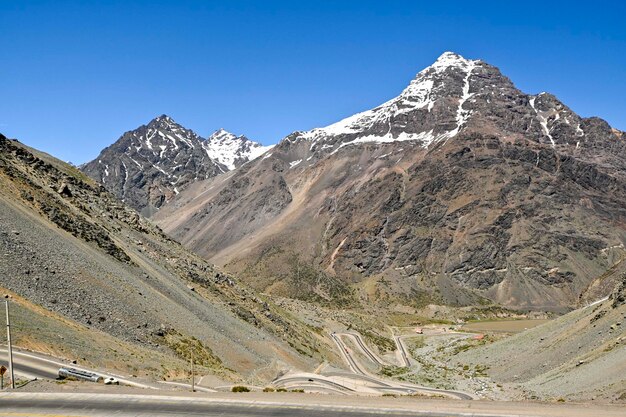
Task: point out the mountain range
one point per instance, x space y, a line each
461 190
147 167
460 199
112 285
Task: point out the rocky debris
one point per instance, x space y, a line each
64 190
55 209
577 356
619 295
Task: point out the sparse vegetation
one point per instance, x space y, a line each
392 371
384 344
187 347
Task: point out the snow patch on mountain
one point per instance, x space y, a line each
231 150
462 114
543 120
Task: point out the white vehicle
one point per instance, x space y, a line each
111 381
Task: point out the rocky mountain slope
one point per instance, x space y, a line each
148 166
578 357
72 251
460 190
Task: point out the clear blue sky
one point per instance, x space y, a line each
75 75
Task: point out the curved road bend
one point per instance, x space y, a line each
385 385
403 354
359 340
31 366
354 366
299 380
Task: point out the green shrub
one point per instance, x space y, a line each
240 388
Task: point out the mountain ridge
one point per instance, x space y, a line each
232 151
462 184
148 166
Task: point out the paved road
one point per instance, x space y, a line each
364 348
354 366
299 381
31 365
20 404
387 386
402 350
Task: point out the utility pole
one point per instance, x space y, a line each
10 347
193 383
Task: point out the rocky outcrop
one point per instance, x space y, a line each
619 295
148 166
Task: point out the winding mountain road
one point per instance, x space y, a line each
365 349
377 384
402 350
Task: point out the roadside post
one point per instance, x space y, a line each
193 382
11 375
3 369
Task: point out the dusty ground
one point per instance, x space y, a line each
504 326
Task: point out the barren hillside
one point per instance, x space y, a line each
73 250
579 357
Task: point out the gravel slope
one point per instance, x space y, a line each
578 357
68 246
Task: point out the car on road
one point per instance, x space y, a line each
111 381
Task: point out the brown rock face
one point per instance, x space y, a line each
461 188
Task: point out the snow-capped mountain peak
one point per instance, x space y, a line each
434 83
450 59
222 135
421 92
231 150
147 166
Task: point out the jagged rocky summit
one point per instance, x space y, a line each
148 166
